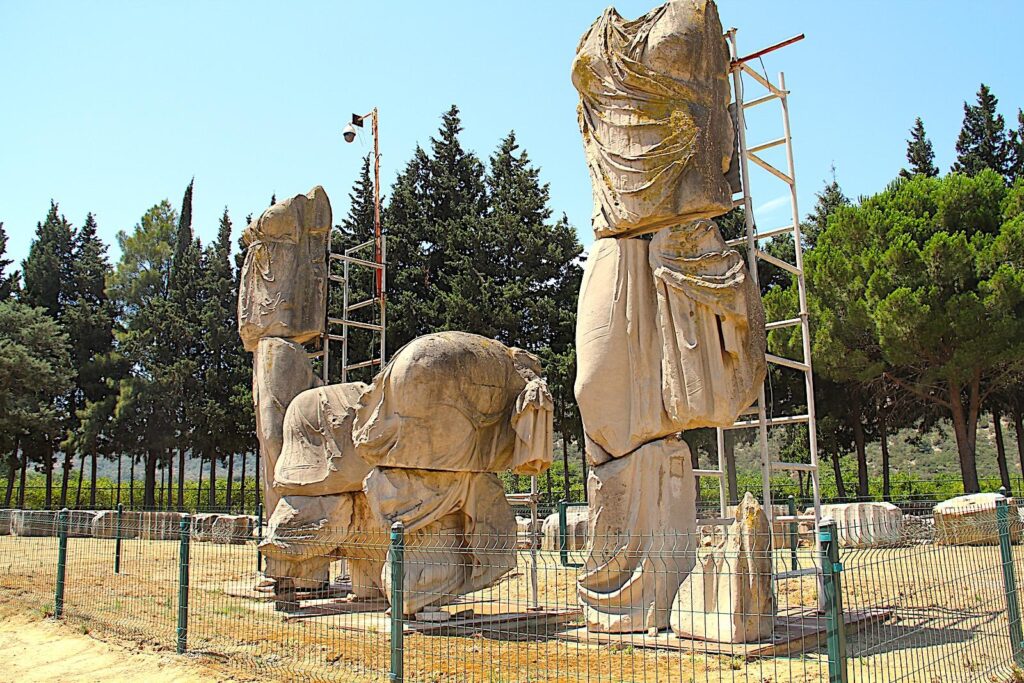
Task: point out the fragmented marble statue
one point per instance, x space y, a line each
421 445
728 598
448 413
670 327
281 306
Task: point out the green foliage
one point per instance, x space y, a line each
983 142
920 154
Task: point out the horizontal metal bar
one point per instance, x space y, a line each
354 323
522 498
787 362
796 573
793 466
777 324
762 80
792 518
335 278
363 364
766 145
778 263
364 304
739 241
737 203
752 410
701 521
770 48
361 245
708 473
336 337
771 169
760 100
358 261
314 354
771 422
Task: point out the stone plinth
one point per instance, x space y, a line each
971 520
104 524
576 520
33 523
232 529
865 525
160 526
5 522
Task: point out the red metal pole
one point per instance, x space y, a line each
770 48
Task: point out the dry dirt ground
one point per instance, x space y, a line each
36 650
948 623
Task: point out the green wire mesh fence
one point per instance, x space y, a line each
874 595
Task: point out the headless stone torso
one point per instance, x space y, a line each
670 330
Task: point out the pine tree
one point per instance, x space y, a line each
49 273
8 281
920 154
1015 154
982 142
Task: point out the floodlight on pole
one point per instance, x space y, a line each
349 133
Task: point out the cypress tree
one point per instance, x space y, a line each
920 154
982 142
1015 152
9 281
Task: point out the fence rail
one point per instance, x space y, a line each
898 598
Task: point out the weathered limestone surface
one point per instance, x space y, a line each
460 531
318 456
528 533
160 526
33 523
728 597
865 525
104 525
231 529
457 402
577 520
669 337
284 277
5 522
641 538
654 97
971 520
202 525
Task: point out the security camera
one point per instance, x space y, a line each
349 133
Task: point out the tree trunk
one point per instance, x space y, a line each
213 480
49 478
230 481
131 482
163 478
118 478
965 427
729 455
837 470
259 491
883 429
11 472
78 489
21 480
1004 470
68 467
92 482
181 479
199 491
149 487
862 458
170 477
1018 428
241 484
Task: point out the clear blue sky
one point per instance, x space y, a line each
111 107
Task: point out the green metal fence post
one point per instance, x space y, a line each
832 586
117 539
793 537
259 536
62 562
397 553
1009 578
184 532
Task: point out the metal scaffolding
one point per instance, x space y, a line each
757 417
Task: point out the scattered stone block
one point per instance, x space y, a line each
728 597
865 525
202 526
528 535
160 526
231 529
104 524
576 522
34 523
5 522
971 520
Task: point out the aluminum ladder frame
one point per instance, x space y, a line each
756 416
